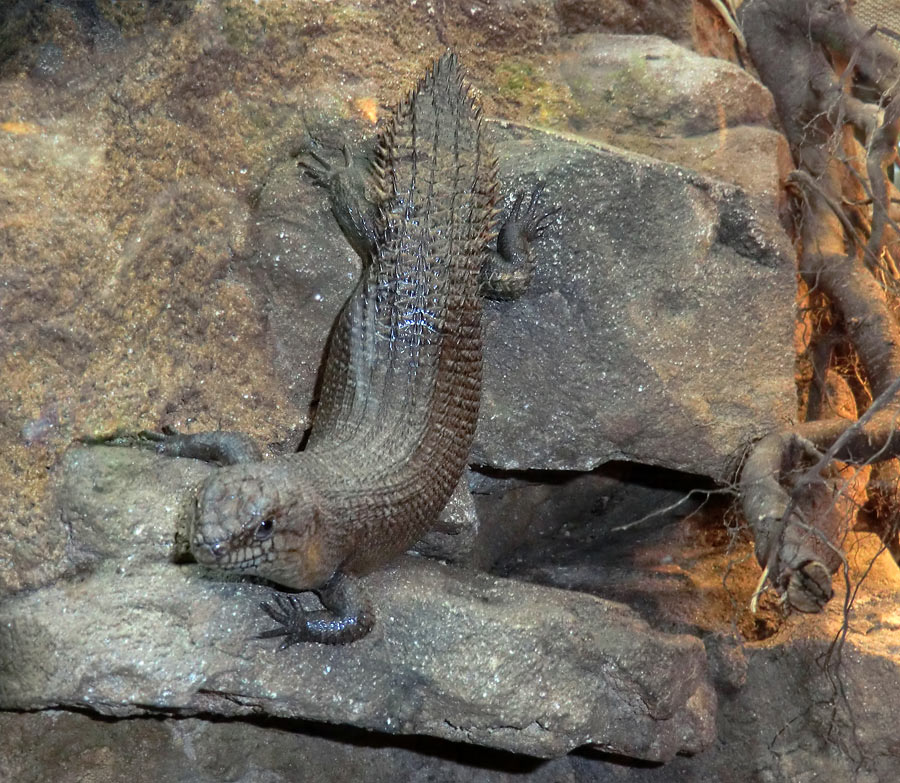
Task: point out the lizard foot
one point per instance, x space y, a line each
530 222
507 273
347 616
346 188
322 172
144 439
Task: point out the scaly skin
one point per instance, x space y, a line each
402 380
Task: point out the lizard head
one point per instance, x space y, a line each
249 518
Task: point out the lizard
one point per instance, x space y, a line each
401 381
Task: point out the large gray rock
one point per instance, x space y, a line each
657 329
454 654
786 724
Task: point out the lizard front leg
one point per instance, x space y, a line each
221 447
347 616
508 270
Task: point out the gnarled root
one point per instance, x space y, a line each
797 497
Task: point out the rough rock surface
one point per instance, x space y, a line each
786 712
649 95
137 144
658 327
455 654
799 729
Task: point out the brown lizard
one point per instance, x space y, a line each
402 379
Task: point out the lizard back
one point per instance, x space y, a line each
402 381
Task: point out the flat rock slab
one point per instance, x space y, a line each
658 327
454 654
785 725
659 331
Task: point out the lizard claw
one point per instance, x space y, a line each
532 222
144 439
224 448
321 171
287 611
281 608
346 616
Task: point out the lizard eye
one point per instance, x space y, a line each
265 529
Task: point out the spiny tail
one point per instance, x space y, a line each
438 181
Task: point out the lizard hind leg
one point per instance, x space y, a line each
507 272
347 615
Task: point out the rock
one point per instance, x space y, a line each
781 720
833 714
48 63
512 25
671 18
646 84
114 508
664 307
652 96
300 275
455 536
454 654
658 327
191 749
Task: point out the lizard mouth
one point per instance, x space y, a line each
217 554
205 553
